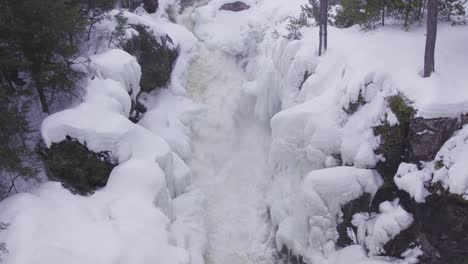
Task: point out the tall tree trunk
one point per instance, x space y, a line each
320 38
325 25
429 54
323 21
384 4
91 24
36 77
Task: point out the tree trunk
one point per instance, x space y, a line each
409 7
429 56
384 4
91 23
36 76
325 25
323 21
320 38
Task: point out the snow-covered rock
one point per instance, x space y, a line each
376 230
147 212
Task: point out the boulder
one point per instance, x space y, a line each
79 169
444 224
464 119
235 6
426 136
361 204
394 138
151 6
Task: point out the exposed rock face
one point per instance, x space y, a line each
138 109
358 205
394 138
156 57
235 6
151 6
286 255
130 4
440 225
426 136
444 225
79 169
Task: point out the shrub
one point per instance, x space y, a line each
79 169
156 57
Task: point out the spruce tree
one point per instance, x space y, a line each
43 44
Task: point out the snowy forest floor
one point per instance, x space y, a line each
230 150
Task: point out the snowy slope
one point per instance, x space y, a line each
147 212
310 121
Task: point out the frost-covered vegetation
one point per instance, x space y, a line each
255 131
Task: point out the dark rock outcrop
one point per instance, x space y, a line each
440 225
137 111
394 138
444 226
286 255
156 57
79 169
151 6
426 136
358 205
235 6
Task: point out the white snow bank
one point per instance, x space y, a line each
448 169
127 71
238 32
376 230
145 214
307 223
99 122
314 125
171 117
453 158
410 179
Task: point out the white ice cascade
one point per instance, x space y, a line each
230 150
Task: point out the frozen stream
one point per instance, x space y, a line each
229 162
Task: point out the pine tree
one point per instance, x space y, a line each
42 44
94 11
16 157
453 10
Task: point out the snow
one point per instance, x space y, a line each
453 155
309 226
229 161
127 71
410 179
448 169
207 181
148 212
311 124
376 230
171 116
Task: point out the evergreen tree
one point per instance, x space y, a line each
14 141
118 35
453 10
94 11
42 44
367 13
